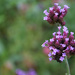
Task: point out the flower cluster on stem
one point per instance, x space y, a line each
60 45
56 14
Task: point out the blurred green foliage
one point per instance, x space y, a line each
22 31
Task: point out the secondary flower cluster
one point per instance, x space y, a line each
56 14
30 72
60 45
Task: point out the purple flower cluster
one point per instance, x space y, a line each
60 45
56 14
30 72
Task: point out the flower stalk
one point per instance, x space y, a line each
67 65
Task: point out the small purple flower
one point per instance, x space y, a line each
59 27
46 13
62 10
66 39
51 40
30 72
65 6
56 4
50 58
61 45
54 33
63 54
20 72
72 33
71 48
59 33
56 14
51 48
61 58
45 18
53 53
50 54
44 44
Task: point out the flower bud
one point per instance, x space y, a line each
63 23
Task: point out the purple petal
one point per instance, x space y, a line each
66 6
45 18
61 58
50 58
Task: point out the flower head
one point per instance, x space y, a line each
30 72
56 14
61 45
20 72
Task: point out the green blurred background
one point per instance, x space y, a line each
23 30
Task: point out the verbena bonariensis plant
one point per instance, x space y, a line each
62 44
56 14
30 72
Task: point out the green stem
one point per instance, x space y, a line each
67 65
